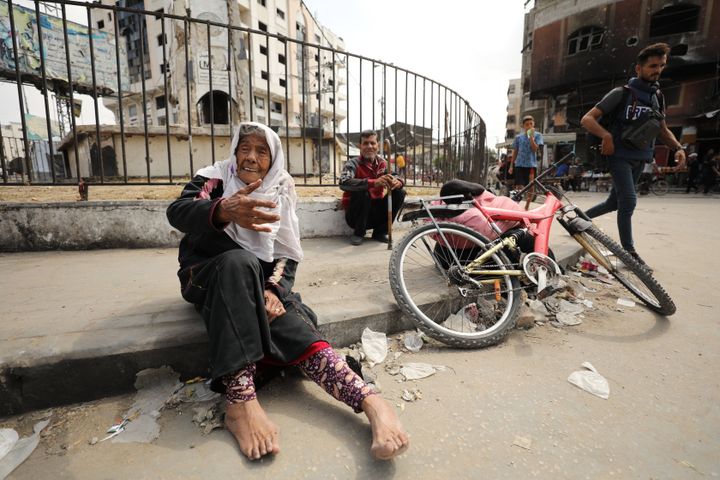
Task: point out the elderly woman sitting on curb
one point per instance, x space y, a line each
237 265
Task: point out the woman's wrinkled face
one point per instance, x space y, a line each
253 158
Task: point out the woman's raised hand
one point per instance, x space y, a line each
240 208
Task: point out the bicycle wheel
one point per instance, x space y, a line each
442 298
660 187
626 270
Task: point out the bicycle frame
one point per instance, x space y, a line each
538 221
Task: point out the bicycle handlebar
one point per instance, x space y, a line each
518 195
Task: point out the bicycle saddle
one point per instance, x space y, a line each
461 187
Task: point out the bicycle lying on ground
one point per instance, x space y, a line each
462 289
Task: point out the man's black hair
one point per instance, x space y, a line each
654 50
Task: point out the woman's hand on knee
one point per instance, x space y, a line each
273 306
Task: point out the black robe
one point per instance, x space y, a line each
226 283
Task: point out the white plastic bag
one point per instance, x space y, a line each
8 439
590 381
416 371
374 345
413 341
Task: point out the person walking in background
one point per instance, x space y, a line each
627 106
711 171
693 172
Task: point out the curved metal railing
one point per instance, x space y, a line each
176 82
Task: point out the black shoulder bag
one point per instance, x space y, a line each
639 134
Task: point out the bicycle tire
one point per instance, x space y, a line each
660 187
406 263
656 298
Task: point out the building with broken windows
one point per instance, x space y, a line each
575 52
213 76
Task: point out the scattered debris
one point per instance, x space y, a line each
588 265
568 319
375 346
522 442
538 308
411 395
571 308
155 386
689 465
194 390
590 381
21 449
526 318
416 371
413 341
459 323
625 302
208 417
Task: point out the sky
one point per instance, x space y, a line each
472 47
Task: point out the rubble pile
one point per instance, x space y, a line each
586 289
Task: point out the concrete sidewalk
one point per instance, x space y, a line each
79 325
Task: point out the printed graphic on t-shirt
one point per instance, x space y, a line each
638 110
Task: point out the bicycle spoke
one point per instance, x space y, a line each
436 288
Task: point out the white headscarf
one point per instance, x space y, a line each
277 186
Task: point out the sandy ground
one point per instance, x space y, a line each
502 412
43 194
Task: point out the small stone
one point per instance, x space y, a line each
93 440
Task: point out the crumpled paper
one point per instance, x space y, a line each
590 381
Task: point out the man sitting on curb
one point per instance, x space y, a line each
363 182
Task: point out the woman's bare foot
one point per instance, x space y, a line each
389 438
253 430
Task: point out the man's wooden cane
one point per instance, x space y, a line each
386 147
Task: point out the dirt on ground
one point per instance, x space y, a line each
51 194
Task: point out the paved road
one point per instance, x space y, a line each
661 420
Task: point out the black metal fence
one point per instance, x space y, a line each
175 82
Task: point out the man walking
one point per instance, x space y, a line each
523 159
627 107
363 182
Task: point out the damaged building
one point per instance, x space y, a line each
575 52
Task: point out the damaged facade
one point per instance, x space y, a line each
575 52
245 76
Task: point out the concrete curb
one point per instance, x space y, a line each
74 366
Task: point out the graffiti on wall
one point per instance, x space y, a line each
54 55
